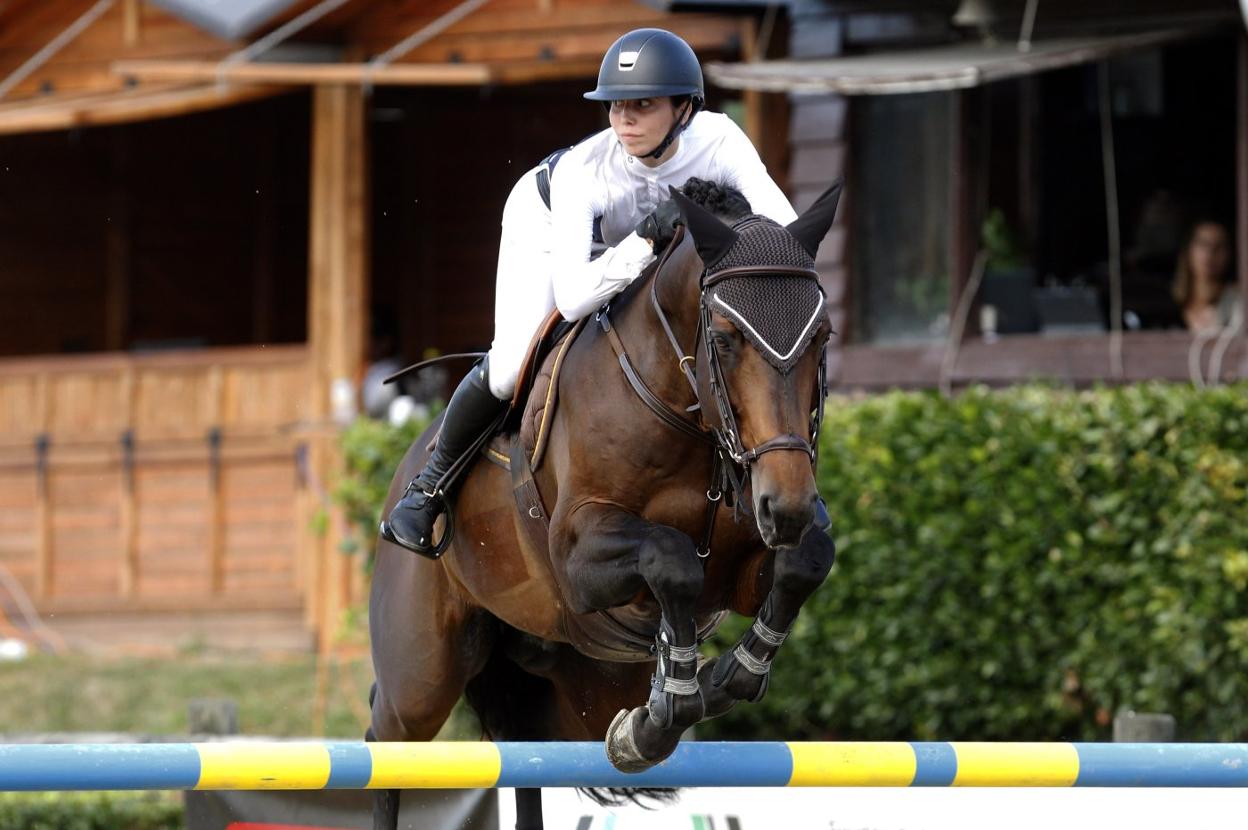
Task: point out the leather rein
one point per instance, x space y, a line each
731 461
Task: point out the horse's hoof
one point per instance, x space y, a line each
621 743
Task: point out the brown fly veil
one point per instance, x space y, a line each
776 307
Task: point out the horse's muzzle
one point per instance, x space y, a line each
783 520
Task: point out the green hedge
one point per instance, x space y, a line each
1021 565
372 451
91 811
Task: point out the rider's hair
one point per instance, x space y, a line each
726 202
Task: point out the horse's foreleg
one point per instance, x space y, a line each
742 674
529 808
615 555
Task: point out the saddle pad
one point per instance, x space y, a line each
539 409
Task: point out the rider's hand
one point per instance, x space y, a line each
660 226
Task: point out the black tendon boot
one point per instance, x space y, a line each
472 411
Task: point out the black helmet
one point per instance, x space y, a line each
649 63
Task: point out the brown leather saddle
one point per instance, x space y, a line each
537 393
521 445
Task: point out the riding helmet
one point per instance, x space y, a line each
649 63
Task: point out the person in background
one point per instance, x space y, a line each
1207 300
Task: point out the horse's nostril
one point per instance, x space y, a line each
764 508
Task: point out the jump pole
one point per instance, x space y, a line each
270 765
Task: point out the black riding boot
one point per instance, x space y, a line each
472 410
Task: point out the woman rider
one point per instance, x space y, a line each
608 215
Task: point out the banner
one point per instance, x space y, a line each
338 810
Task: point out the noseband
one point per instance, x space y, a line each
732 460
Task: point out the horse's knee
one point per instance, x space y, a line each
590 585
618 554
804 568
601 569
669 562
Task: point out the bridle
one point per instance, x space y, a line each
727 434
731 459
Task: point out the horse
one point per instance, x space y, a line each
679 474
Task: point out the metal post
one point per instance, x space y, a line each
1143 727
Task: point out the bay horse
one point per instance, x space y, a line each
700 385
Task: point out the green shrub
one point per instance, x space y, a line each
372 451
91 811
1013 565
1022 564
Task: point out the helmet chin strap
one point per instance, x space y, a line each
675 131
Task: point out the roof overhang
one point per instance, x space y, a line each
125 106
943 68
227 19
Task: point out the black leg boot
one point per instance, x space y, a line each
472 411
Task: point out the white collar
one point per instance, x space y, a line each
639 168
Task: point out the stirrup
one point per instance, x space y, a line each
429 551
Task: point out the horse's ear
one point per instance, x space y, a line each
711 236
811 227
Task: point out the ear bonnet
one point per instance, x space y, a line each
777 307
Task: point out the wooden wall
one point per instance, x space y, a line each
188 231
443 164
165 481
819 145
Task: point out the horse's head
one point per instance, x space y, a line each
762 331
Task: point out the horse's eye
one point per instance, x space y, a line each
723 341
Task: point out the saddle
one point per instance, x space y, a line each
520 444
536 393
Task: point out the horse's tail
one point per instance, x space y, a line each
514 705
648 797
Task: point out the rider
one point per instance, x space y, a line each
606 217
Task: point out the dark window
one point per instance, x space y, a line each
1036 197
900 222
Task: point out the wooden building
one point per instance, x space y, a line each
194 239
955 121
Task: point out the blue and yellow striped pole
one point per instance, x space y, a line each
246 765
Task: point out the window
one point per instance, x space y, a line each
1034 185
900 259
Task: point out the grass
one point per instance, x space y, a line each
276 696
92 811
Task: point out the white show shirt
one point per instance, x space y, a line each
548 258
597 178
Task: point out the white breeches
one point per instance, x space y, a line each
523 292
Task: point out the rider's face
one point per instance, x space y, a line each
641 124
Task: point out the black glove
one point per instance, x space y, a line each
660 226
